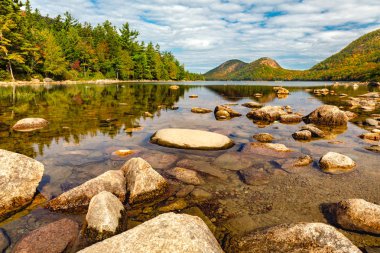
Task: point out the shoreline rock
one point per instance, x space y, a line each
267 113
58 236
20 177
79 197
327 115
104 216
143 182
358 215
200 110
166 233
263 137
222 112
298 237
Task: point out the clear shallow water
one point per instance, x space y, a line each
88 123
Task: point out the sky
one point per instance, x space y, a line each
205 33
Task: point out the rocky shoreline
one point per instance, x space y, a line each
108 199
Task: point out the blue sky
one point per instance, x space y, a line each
204 33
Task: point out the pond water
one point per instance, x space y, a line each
89 122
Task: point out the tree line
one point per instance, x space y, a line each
33 46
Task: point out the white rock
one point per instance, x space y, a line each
79 197
19 178
191 139
103 215
336 163
167 233
143 182
30 124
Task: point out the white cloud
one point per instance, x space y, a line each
205 33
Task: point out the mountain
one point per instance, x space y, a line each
225 69
360 60
262 69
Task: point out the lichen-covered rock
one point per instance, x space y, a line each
225 112
252 104
19 178
290 238
200 110
30 124
329 115
59 236
167 233
359 215
336 163
187 176
263 137
104 216
290 118
302 135
315 131
267 113
143 182
191 139
79 197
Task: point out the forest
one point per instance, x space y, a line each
33 46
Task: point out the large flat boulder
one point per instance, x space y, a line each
191 139
59 236
104 216
167 233
359 215
336 163
143 182
30 124
298 237
329 115
79 197
19 178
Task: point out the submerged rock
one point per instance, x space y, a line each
187 176
253 176
327 115
233 161
104 216
225 112
267 113
167 233
186 190
293 165
4 240
263 137
30 124
79 197
359 215
179 204
315 132
143 182
59 236
200 110
191 139
200 194
336 163
298 237
302 135
203 167
268 149
374 148
19 178
252 104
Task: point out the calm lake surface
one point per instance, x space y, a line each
89 122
